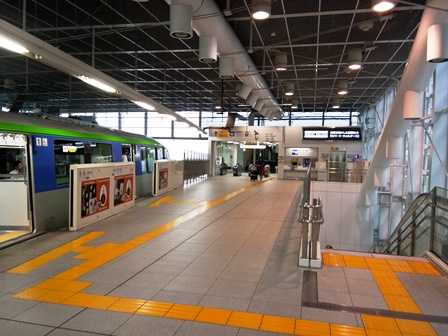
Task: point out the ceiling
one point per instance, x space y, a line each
130 41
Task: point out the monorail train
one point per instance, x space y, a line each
35 157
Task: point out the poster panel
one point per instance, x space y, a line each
163 178
123 189
94 196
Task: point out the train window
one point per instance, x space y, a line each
100 153
166 154
12 157
143 159
126 153
159 152
65 154
150 159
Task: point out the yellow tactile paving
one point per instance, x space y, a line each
344 330
183 312
312 328
90 301
155 308
213 315
419 328
278 324
125 305
354 261
245 320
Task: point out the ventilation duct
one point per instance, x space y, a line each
208 49
209 21
226 67
231 118
244 91
180 21
437 43
259 105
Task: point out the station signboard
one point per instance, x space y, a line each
332 133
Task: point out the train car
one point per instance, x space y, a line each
35 157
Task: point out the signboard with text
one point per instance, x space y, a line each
332 133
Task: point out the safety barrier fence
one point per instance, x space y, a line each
196 166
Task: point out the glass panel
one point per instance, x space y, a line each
144 159
67 153
101 153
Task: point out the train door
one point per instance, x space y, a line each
15 200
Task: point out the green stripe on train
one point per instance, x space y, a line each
32 129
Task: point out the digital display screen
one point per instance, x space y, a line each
335 134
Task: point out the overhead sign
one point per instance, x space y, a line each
332 133
302 152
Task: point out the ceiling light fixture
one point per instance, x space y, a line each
12 45
336 106
383 6
144 105
281 62
261 9
180 21
208 49
342 88
294 107
354 59
218 107
289 90
98 84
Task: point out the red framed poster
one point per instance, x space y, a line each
123 189
94 196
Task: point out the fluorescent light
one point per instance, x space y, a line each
355 66
289 93
381 6
243 105
98 84
13 46
280 68
218 107
144 105
261 14
336 106
342 92
5 109
294 107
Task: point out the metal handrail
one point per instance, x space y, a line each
405 235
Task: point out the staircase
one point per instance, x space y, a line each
424 227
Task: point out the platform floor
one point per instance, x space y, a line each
218 258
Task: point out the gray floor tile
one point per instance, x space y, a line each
136 292
366 301
237 289
329 316
363 287
330 296
48 314
97 321
66 332
355 273
190 284
246 332
146 326
11 307
283 295
13 328
202 329
329 282
274 308
178 297
225 302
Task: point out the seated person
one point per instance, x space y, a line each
18 168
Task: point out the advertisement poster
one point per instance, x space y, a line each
124 189
163 178
94 196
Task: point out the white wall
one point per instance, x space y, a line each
341 228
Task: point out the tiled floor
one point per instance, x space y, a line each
216 259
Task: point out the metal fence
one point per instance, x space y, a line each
196 166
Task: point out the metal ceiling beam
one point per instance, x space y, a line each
330 13
100 26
